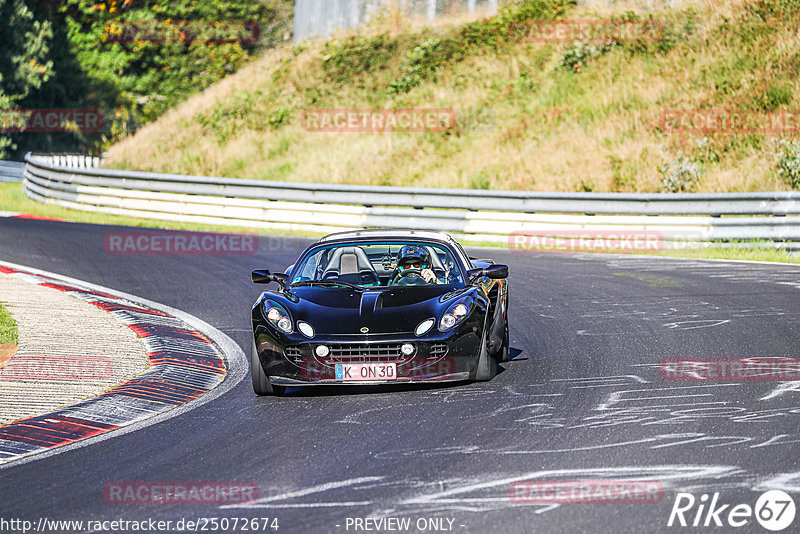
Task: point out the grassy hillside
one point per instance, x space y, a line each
530 115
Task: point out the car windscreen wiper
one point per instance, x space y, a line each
327 283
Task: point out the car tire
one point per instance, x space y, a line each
261 384
503 354
487 366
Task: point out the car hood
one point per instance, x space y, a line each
334 311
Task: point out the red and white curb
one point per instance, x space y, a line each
191 363
16 215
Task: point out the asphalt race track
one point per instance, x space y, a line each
582 399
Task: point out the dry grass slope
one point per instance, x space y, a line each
530 116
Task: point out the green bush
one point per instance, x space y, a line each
480 180
356 56
788 161
279 117
769 10
523 10
624 174
661 33
423 60
680 175
578 55
777 94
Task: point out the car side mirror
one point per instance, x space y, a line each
495 272
262 276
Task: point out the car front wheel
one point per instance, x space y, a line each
487 366
261 384
503 355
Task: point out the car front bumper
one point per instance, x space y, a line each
442 357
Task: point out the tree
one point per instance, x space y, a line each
73 54
24 66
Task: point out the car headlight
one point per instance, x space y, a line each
278 317
306 329
424 326
454 315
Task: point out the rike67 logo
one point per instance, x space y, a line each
774 510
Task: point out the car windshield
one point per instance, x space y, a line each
379 264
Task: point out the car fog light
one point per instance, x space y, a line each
407 349
424 326
306 329
322 351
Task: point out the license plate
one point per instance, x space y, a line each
360 372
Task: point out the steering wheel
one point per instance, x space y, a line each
408 273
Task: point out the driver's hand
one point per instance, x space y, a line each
429 276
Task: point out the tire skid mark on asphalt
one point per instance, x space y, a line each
780 389
698 323
184 365
274 501
756 271
600 381
469 450
482 495
682 313
788 482
626 400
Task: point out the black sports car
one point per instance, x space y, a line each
380 306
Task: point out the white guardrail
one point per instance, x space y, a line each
680 220
11 171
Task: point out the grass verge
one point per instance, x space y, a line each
754 253
8 328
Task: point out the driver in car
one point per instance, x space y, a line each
413 262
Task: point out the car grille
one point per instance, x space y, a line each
365 353
438 350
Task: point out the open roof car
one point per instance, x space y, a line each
380 306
